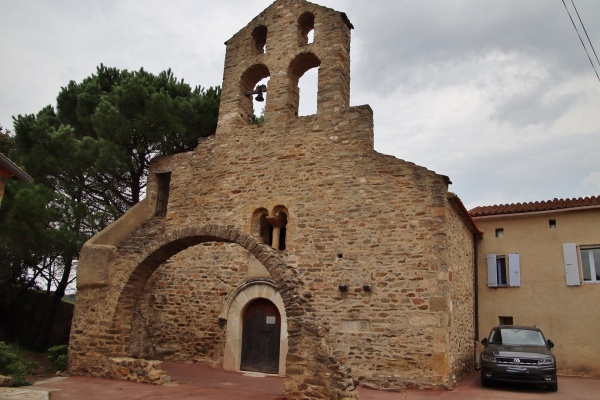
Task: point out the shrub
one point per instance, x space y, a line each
58 356
13 365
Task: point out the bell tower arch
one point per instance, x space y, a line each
275 44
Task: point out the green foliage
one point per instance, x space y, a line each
259 119
89 159
13 365
58 356
7 142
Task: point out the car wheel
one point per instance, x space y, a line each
485 382
553 387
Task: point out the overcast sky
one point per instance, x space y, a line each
499 95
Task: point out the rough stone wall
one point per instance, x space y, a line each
379 225
461 278
179 312
356 218
102 330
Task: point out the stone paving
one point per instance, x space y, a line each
23 394
34 392
204 383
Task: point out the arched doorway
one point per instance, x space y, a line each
260 337
233 315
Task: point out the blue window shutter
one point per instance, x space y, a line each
491 270
514 270
571 265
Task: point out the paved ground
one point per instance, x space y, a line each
203 383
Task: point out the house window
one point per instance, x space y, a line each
162 199
552 223
499 232
505 320
590 264
504 270
501 277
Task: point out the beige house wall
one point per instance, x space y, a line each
566 314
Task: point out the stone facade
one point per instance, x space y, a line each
367 258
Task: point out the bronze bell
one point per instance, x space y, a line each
260 89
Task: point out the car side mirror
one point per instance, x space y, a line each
485 342
549 343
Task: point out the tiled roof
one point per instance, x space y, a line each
12 169
556 204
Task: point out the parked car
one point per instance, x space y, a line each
518 354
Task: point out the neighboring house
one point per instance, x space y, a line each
9 170
289 247
539 264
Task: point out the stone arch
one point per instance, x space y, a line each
172 243
233 312
298 67
251 76
311 368
259 39
306 23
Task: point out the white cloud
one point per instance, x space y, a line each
592 181
498 95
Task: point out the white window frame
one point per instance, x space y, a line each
592 262
513 270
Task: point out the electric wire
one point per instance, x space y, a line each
585 30
580 39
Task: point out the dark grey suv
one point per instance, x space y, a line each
518 354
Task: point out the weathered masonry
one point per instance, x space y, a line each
288 247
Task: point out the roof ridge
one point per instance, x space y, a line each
533 206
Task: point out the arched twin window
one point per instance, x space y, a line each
271 228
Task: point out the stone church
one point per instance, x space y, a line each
288 247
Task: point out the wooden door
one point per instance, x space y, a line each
260 337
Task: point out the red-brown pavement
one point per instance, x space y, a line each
203 383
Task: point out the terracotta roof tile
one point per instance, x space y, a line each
12 170
556 204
